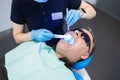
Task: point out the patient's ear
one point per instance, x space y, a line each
85 56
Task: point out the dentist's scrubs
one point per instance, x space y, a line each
35 61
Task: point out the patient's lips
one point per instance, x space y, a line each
69 39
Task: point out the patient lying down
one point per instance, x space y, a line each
37 61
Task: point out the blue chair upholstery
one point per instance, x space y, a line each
82 64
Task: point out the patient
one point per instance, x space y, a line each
37 61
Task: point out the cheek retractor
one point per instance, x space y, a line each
68 38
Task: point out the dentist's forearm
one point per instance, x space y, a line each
89 9
90 13
22 37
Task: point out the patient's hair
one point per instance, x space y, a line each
90 30
69 64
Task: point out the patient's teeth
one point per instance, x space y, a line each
69 39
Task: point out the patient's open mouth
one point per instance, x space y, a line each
69 39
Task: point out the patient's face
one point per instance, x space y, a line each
79 50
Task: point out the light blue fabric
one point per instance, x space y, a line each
41 35
35 61
72 17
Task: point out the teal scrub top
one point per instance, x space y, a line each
35 61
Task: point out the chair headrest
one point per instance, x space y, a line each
83 63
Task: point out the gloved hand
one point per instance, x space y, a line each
72 17
77 76
41 35
41 1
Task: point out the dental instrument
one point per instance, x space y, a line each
68 38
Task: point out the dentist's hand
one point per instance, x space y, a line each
41 35
41 1
72 17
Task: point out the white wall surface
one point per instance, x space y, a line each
5 6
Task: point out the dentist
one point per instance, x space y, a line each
44 18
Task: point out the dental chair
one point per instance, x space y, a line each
80 66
